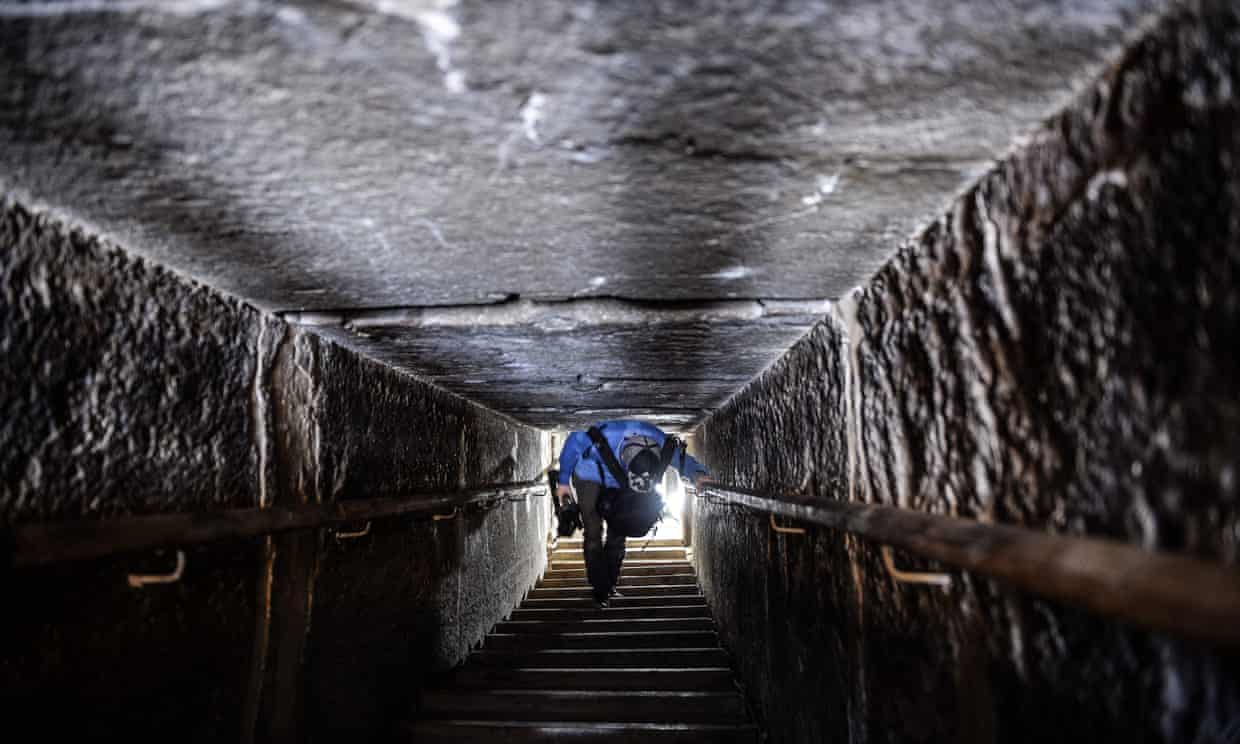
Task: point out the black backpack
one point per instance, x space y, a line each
631 513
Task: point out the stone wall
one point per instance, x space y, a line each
1057 351
129 390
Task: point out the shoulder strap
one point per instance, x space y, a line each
609 457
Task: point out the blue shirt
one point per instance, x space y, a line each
580 458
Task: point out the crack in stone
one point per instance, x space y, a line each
687 145
565 314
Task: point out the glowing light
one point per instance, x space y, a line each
673 493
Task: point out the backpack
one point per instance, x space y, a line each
631 513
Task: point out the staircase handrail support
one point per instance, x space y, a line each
1177 594
54 542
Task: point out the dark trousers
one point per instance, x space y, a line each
603 559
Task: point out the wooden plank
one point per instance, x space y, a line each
1176 594
602 733
650 706
52 542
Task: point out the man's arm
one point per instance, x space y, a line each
692 469
570 453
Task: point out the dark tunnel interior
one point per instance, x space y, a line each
302 301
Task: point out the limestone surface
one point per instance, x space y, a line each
1057 351
368 154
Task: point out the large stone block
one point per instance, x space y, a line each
431 155
126 389
1058 349
385 433
1057 352
786 431
571 362
412 597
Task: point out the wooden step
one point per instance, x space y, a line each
602 657
654 542
636 568
604 626
432 731
590 612
626 580
595 640
474 676
647 668
625 589
663 600
560 557
652 706
632 543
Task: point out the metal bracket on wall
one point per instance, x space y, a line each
456 510
137 581
780 531
912 577
786 530
342 535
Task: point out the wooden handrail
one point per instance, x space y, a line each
1176 594
54 542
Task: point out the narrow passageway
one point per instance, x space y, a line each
301 300
646 668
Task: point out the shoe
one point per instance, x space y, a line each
600 604
614 593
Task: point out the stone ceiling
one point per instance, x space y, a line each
562 210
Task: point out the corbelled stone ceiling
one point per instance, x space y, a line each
561 210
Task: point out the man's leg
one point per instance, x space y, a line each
597 569
614 551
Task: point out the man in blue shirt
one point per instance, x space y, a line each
638 452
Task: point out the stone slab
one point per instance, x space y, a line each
128 389
362 154
1055 352
672 366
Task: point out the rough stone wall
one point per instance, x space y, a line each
1057 351
128 390
125 389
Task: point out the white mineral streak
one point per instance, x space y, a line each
531 115
731 273
439 30
824 185
845 312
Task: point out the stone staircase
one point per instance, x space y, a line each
648 668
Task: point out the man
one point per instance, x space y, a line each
614 468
